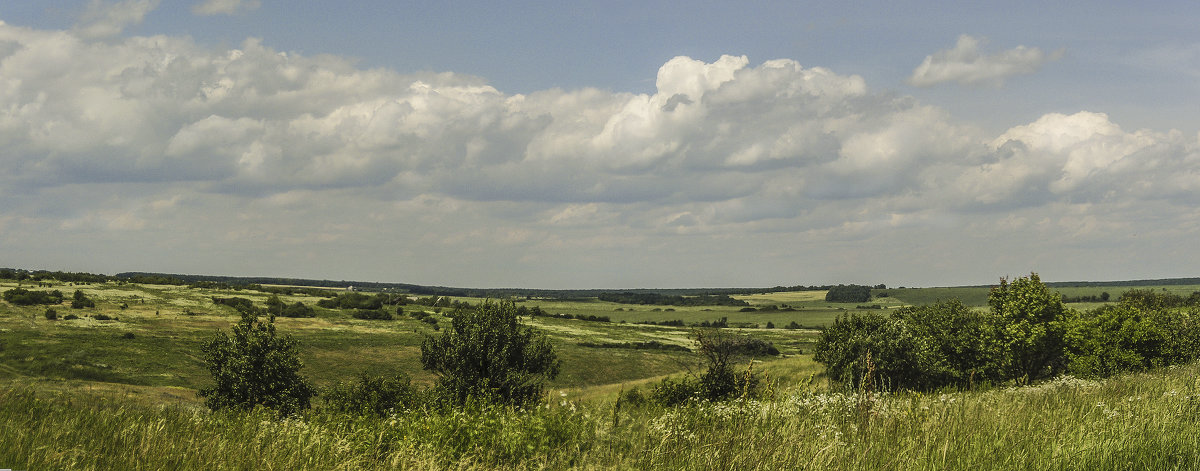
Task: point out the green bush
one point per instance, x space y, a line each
1034 325
24 297
486 354
670 392
377 395
883 349
81 301
255 367
1131 336
298 310
51 314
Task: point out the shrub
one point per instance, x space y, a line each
1126 337
102 317
487 354
378 395
51 314
255 367
721 350
70 317
298 310
844 348
81 301
670 392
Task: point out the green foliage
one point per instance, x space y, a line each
883 347
848 294
721 350
486 354
923 347
669 392
372 314
255 367
50 314
1034 324
81 301
671 300
24 297
1131 337
377 395
354 301
298 310
240 304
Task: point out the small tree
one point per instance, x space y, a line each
255 367
1034 324
487 354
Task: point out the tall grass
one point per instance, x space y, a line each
1138 421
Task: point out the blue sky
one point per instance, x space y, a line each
602 144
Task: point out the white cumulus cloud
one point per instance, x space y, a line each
224 7
103 19
967 64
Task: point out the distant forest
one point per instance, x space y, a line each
568 294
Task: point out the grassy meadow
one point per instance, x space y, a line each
121 394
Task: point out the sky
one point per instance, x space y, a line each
602 144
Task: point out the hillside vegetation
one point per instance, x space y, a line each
111 383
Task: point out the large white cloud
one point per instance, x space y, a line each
249 147
966 64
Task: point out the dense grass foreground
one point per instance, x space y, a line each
1138 421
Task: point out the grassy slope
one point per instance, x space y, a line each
1135 421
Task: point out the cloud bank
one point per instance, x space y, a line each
167 155
966 64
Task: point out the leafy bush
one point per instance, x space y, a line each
255 367
298 310
102 317
378 395
897 354
1130 337
1034 325
81 301
487 354
70 317
51 314
670 392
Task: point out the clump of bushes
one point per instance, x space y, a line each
1026 335
848 294
50 314
374 395
240 304
81 301
24 297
